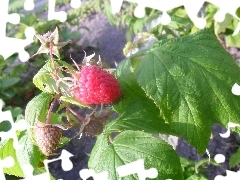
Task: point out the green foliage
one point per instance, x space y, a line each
180 22
46 82
29 154
72 100
131 89
130 146
67 34
234 159
37 108
41 25
179 86
238 12
5 126
189 83
9 79
125 18
6 151
16 5
139 115
191 171
188 86
76 16
16 111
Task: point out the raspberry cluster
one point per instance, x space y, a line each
96 86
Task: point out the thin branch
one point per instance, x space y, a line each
50 110
77 115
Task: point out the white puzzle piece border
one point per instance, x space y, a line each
10 46
192 8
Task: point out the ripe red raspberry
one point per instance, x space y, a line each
96 86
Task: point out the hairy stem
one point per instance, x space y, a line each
50 110
77 115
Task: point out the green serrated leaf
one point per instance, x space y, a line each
44 80
64 64
190 79
30 153
234 159
131 146
130 89
72 100
6 151
142 115
37 108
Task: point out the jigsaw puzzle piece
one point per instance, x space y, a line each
9 46
28 171
17 45
231 175
28 5
137 167
66 166
192 8
11 18
75 3
225 7
87 173
18 126
52 14
5 163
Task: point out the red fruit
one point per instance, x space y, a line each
96 86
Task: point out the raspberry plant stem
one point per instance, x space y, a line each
50 110
77 115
